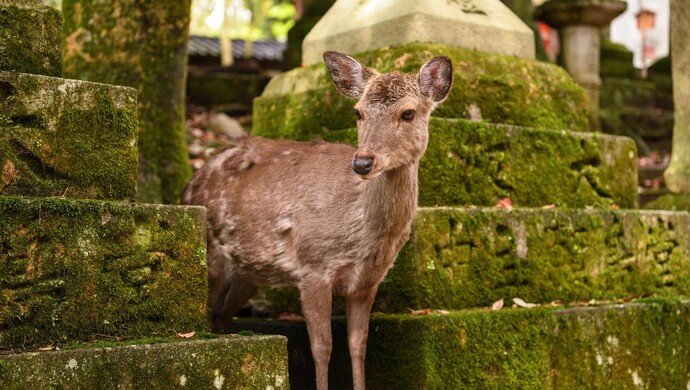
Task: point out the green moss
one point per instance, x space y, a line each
144 44
302 103
68 267
67 138
256 362
679 202
30 35
470 163
459 258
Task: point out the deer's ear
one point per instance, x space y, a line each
435 78
350 77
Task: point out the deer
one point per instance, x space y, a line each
326 218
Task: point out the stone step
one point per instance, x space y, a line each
633 345
302 103
31 35
463 258
477 163
229 362
73 268
67 138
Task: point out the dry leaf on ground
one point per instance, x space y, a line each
505 203
497 305
521 303
186 335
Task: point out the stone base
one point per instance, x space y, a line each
67 138
30 38
236 362
621 346
301 103
464 258
70 269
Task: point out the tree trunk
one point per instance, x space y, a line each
140 44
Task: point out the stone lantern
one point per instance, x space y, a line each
579 23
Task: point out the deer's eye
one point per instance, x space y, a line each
407 115
357 114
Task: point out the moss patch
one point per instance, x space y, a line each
66 138
71 269
680 202
30 34
144 45
237 362
301 103
459 258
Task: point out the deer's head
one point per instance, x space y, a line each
393 109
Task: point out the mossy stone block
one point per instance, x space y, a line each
477 163
303 103
70 269
231 362
30 38
634 345
460 258
67 138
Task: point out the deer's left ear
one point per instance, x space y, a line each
350 77
436 78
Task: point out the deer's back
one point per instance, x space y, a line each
280 209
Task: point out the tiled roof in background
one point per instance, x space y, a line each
268 50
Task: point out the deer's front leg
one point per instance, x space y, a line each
316 301
358 311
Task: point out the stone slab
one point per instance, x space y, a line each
461 258
70 269
354 26
633 345
30 38
69 138
464 258
303 103
230 362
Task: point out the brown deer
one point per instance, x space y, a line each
313 216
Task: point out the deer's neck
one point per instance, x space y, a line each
390 200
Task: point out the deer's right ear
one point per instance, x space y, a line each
350 77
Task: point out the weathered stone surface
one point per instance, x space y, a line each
73 268
677 176
66 138
634 345
670 202
140 44
303 103
30 35
231 362
459 258
354 26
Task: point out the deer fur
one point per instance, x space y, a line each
326 218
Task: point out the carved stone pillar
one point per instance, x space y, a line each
579 24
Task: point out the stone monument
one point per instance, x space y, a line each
354 26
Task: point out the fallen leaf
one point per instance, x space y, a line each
548 206
505 203
9 173
286 316
614 207
46 348
186 335
522 303
497 305
443 312
420 312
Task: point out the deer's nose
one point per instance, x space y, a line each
362 165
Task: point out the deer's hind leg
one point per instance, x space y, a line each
227 293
